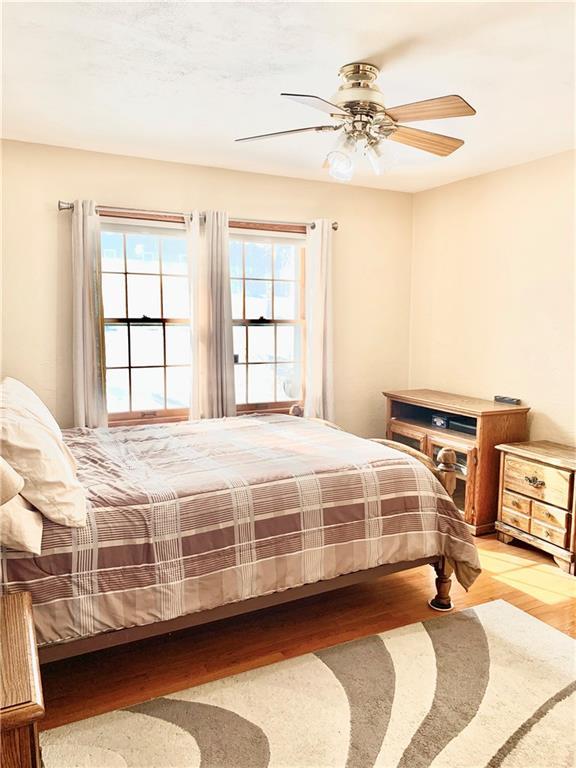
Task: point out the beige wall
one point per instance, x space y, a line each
476 278
371 262
492 303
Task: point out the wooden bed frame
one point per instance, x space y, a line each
444 471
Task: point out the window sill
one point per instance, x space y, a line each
139 418
173 417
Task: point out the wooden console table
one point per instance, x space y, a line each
473 428
21 704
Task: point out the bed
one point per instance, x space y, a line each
195 521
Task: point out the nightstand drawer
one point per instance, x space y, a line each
515 502
549 515
548 533
538 481
516 519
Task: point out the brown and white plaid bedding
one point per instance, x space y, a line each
187 517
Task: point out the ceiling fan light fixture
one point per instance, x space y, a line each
340 165
373 155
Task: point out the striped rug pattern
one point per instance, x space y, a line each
485 688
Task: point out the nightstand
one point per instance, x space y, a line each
537 500
21 703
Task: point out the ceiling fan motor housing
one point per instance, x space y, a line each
359 92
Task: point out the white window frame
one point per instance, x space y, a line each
158 229
248 235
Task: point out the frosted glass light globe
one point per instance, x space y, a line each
340 165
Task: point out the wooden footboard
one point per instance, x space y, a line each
445 470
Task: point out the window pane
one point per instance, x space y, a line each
285 262
117 397
240 383
147 389
146 345
237 303
258 299
176 297
114 295
288 382
116 345
260 343
112 252
236 258
285 301
178 382
258 257
174 256
144 295
142 253
177 344
260 383
288 343
240 343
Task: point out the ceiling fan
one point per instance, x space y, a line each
365 122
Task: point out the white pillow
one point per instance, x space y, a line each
15 394
11 483
37 454
20 526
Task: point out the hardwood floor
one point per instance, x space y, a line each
119 677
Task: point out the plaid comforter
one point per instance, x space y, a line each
187 517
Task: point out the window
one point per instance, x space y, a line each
146 323
266 274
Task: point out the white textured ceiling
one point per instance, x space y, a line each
178 81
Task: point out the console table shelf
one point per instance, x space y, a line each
473 428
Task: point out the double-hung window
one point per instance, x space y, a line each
267 286
146 305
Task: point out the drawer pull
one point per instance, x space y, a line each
548 533
535 482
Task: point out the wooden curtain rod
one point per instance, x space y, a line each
178 218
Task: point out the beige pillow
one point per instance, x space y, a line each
20 526
15 394
50 483
11 483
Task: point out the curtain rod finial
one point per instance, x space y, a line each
334 225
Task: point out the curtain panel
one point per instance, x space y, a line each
87 330
319 394
212 393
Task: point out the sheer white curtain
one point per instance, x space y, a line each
212 393
87 331
319 395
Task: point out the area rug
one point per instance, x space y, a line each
486 688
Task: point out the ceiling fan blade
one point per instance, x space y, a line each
294 130
317 103
429 142
431 109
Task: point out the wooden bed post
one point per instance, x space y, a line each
442 602
447 469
